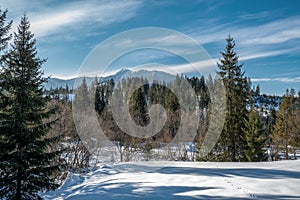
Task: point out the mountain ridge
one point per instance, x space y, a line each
123 73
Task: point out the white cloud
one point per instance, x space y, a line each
51 23
74 17
251 55
274 32
256 41
281 79
256 16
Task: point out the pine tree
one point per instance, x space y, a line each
100 99
281 135
257 90
270 123
4 31
92 89
138 108
254 135
296 123
4 38
236 86
26 163
82 97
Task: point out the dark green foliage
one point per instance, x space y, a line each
4 31
254 135
236 86
26 163
201 90
138 108
269 124
99 99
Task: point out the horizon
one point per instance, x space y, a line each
107 75
267 35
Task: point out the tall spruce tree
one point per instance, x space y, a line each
4 38
25 159
236 87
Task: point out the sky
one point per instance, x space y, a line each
267 33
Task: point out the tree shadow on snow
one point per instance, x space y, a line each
243 172
116 189
133 190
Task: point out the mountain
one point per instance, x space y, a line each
123 73
117 76
151 75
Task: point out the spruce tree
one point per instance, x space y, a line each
25 159
82 97
4 31
270 123
100 99
138 108
4 38
236 87
254 135
296 123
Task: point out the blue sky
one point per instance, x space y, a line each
267 33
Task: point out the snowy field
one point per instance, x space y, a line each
184 180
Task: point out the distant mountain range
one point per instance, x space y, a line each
123 73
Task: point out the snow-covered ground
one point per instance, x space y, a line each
184 180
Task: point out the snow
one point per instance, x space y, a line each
184 180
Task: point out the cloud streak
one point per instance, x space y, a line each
75 17
274 32
256 16
263 54
281 79
260 40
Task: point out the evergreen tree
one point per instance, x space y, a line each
82 97
257 90
270 123
4 32
138 108
254 134
296 123
204 95
92 89
281 135
26 163
100 99
236 86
